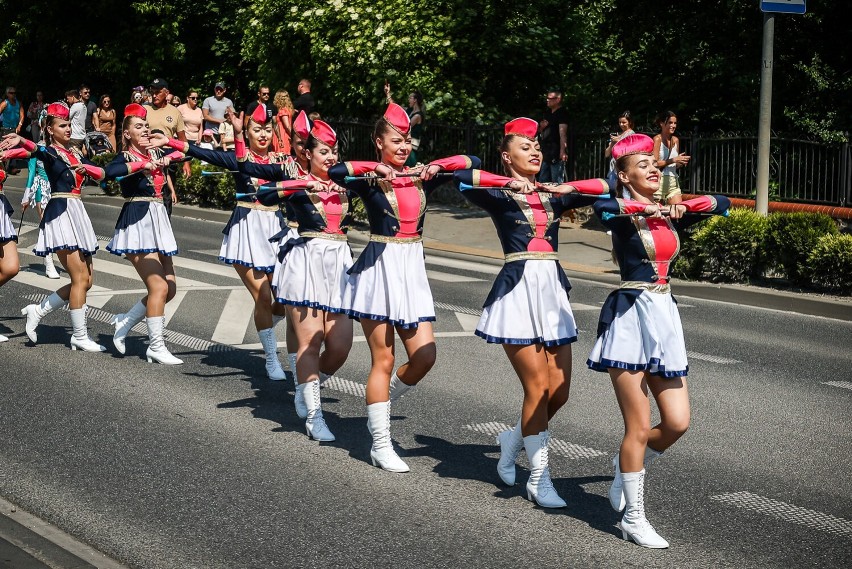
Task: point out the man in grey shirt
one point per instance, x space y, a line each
77 117
214 108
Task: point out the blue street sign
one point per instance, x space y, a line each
783 6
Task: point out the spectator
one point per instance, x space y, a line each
625 127
553 135
226 133
77 116
136 95
215 107
192 117
104 119
91 107
208 140
283 122
263 95
668 158
305 101
175 102
11 120
165 118
33 114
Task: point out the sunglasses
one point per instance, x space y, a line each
193 98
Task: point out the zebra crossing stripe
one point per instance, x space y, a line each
179 338
712 359
336 383
559 447
787 512
456 308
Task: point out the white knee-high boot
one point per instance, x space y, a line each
511 442
35 312
157 351
382 453
270 348
398 388
634 525
540 487
124 323
616 494
80 339
315 424
49 268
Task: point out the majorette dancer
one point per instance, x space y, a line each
9 262
640 339
65 228
312 274
387 288
143 232
528 311
246 244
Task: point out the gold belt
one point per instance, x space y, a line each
664 288
143 199
390 239
260 206
323 235
526 255
65 195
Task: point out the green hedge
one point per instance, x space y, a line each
730 248
830 263
790 238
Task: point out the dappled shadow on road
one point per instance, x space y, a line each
584 506
462 461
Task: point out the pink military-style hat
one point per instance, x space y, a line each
633 144
302 125
398 119
521 126
58 110
323 132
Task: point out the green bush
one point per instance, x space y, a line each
790 238
217 191
688 262
729 248
830 263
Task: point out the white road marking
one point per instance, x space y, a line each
235 317
464 265
468 321
843 384
713 359
787 512
42 282
336 383
456 308
211 252
449 277
173 305
218 269
578 306
557 446
126 270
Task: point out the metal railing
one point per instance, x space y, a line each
800 170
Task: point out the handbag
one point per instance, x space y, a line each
415 143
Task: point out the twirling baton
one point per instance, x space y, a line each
218 173
21 223
606 216
348 179
464 187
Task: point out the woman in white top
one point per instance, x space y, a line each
668 159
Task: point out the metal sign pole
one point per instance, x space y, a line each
764 129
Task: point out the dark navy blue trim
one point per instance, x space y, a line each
311 304
247 264
605 365
47 250
526 341
137 251
10 238
355 315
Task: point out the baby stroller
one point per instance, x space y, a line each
96 143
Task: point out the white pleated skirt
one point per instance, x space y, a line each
71 230
247 241
394 289
151 234
7 226
535 311
648 336
313 274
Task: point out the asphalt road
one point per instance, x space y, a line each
206 465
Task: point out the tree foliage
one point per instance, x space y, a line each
473 60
